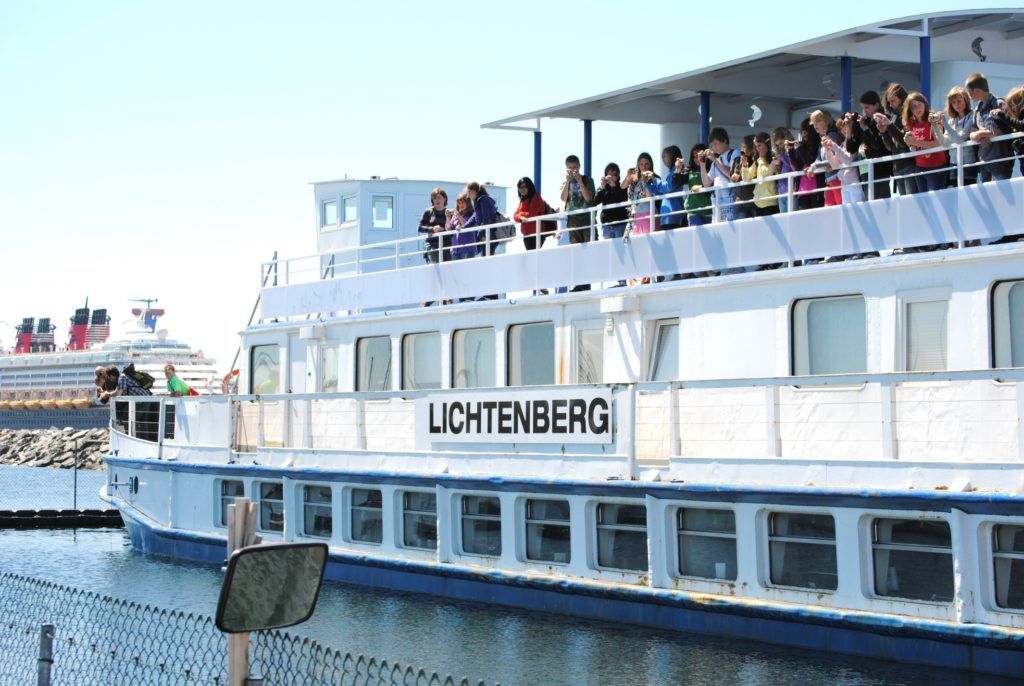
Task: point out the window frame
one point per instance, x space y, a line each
359 362
999 307
222 512
261 500
769 537
578 328
329 506
405 359
252 366
907 298
463 516
563 523
510 332
325 348
373 212
405 511
907 547
348 201
798 343
679 531
454 370
658 324
324 202
995 554
598 527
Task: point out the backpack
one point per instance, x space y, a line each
142 378
505 231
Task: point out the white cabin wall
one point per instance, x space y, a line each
1001 77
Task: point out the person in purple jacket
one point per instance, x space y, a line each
464 242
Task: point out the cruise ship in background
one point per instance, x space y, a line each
38 374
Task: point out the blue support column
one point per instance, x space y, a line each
587 146
536 159
926 67
846 82
705 116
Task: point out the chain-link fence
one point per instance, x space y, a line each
41 488
101 640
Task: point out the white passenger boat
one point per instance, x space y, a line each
825 455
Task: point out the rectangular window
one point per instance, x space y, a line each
1008 324
317 516
665 351
531 354
1008 551
264 369
329 213
473 358
229 490
367 515
802 550
421 361
622 537
926 336
349 209
830 336
419 520
481 525
383 212
547 531
707 543
913 559
373 362
589 355
271 506
329 370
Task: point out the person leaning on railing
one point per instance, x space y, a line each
956 128
803 154
432 223
672 214
890 126
718 174
918 123
872 146
613 219
531 204
698 201
1012 118
744 193
842 154
993 155
781 146
639 185
577 194
822 123
763 166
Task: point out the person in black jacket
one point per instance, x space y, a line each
890 126
610 192
432 223
872 146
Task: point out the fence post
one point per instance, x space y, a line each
45 662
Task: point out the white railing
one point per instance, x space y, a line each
411 252
946 417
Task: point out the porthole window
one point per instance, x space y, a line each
802 550
622 537
707 543
913 559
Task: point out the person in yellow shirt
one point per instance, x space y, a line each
763 166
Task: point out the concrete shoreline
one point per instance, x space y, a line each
54 447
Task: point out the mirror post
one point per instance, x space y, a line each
241 533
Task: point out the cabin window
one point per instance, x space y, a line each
421 361
373 357
913 559
329 214
547 531
329 369
265 366
1008 550
1008 324
473 358
802 550
481 525
229 490
419 520
383 212
622 537
707 543
665 351
367 515
271 506
926 335
317 516
349 209
590 355
830 336
531 354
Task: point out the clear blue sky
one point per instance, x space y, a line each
165 149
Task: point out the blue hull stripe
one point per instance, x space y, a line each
934 501
971 647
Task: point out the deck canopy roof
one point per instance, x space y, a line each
803 76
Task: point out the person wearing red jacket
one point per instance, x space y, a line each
530 205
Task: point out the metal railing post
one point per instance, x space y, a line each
131 419
871 180
45 662
261 435
650 202
593 223
161 426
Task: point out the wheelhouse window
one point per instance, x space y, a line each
419 520
367 515
1008 324
473 358
830 336
229 490
802 550
707 543
317 516
925 335
1008 552
265 369
913 559
590 355
271 506
329 213
373 362
547 531
329 369
349 209
481 525
531 354
421 361
383 212
622 537
665 351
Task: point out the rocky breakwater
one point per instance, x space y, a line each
53 447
